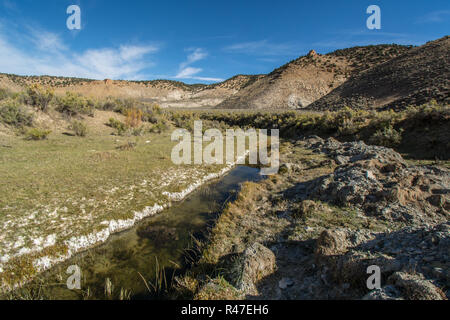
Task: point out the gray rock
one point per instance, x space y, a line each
285 282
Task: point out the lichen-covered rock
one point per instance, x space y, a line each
256 262
416 287
378 180
414 259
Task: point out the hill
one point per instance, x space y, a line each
308 78
166 93
413 78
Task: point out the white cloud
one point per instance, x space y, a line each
46 41
196 55
186 72
45 53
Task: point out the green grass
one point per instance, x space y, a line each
69 186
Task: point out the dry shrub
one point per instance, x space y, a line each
133 117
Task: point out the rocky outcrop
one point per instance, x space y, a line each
414 262
378 180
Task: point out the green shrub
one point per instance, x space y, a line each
72 104
79 128
13 114
39 97
159 127
118 125
37 134
387 137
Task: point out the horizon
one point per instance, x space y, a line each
203 43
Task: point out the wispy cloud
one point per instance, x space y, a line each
265 48
45 53
435 17
187 72
196 54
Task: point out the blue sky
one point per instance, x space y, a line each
198 41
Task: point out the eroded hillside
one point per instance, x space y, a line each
414 78
308 78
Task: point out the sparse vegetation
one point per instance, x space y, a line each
79 128
37 134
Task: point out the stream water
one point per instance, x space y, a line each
154 243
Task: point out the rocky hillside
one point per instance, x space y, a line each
416 77
308 78
166 93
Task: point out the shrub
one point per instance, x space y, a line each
159 127
79 128
118 125
133 117
37 134
39 97
72 104
13 114
4 94
387 137
112 104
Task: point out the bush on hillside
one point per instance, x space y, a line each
12 113
387 137
72 104
79 128
39 97
118 125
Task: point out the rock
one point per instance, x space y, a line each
285 282
312 53
388 292
378 180
306 209
341 160
256 262
415 287
332 242
370 175
437 200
